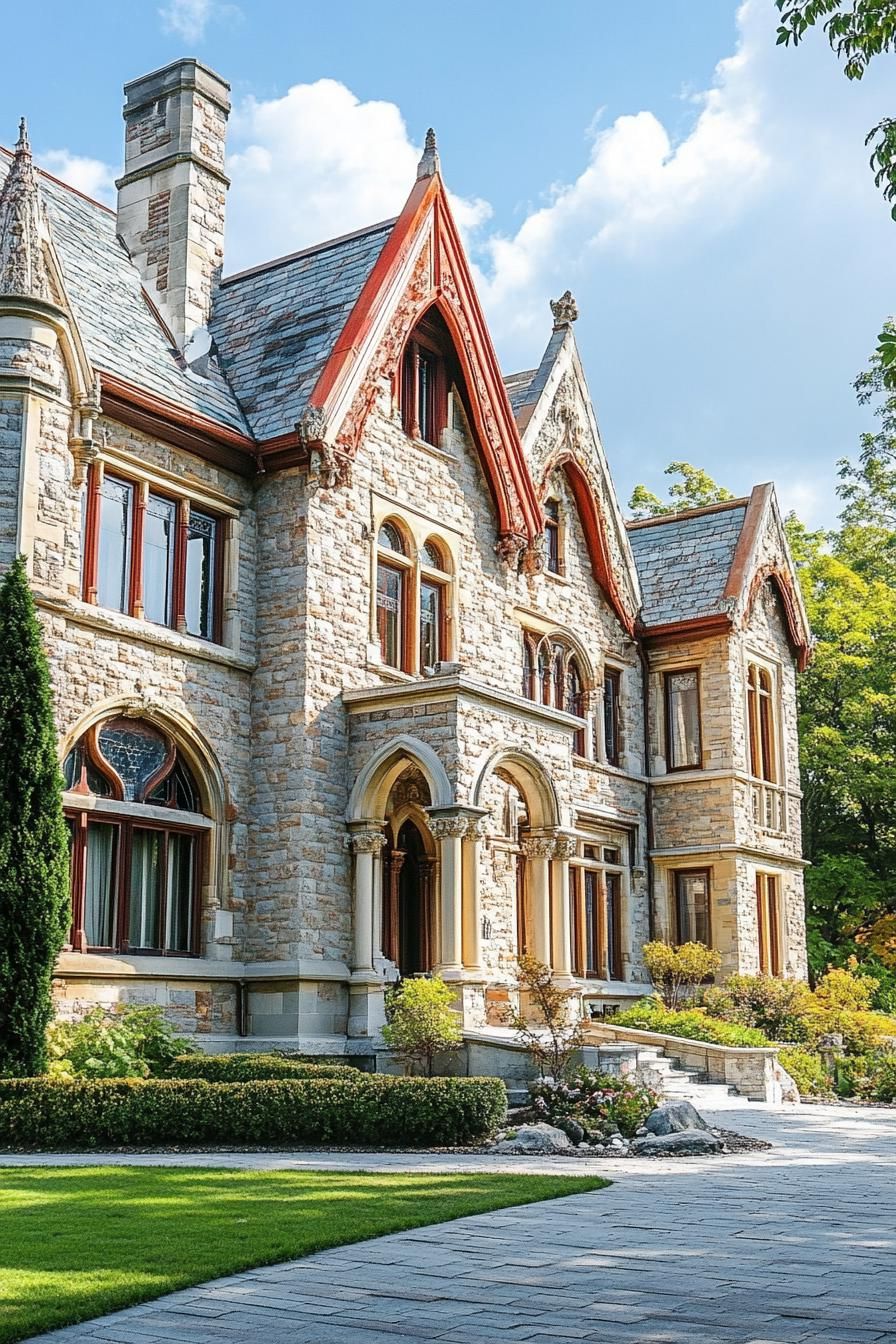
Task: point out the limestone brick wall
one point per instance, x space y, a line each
200 1008
10 454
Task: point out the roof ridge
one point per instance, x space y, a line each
306 251
633 524
66 186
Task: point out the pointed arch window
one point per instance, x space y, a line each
392 569
553 557
434 583
761 724
138 834
552 675
427 372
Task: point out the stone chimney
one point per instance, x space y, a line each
171 197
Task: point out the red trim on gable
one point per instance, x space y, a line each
449 286
595 532
760 500
784 584
698 627
743 551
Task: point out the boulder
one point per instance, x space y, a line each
674 1117
684 1143
538 1138
573 1130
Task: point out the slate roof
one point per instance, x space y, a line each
275 325
120 332
683 562
518 385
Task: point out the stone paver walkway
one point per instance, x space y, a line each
796 1244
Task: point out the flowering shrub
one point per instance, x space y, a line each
121 1043
598 1102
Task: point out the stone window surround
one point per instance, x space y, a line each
206 499
602 839
777 897
416 529
774 667
669 670
683 869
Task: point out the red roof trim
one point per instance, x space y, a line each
759 502
634 523
158 417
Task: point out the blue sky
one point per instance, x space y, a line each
705 195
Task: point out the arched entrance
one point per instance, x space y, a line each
408 937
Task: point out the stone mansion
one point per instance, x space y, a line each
358 670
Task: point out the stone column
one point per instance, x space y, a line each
538 849
366 1014
564 849
449 830
472 906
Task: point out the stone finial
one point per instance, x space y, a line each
23 266
429 161
565 310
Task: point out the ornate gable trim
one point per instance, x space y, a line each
748 574
440 277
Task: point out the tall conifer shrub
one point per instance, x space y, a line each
34 893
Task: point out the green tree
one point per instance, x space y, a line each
694 490
34 896
857 30
422 1021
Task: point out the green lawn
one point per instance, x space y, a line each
79 1241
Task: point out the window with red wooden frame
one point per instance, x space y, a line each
151 555
135 874
427 371
553 551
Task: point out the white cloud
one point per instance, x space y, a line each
316 163
90 176
186 18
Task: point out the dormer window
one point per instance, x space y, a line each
425 380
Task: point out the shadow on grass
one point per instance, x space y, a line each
82 1241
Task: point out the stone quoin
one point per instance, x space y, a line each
359 672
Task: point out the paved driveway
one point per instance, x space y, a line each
796 1244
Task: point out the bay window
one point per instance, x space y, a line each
150 555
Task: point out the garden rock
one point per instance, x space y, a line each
573 1130
683 1143
538 1138
675 1117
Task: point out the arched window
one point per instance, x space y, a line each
434 583
392 569
574 700
529 687
761 716
427 372
135 812
553 558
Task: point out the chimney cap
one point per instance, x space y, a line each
187 73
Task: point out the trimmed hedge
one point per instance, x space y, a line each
690 1024
253 1068
57 1113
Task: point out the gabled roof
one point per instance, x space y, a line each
518 385
121 333
683 561
275 326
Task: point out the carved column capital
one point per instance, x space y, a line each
538 846
565 847
365 842
453 827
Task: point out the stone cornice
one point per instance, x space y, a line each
91 965
458 686
768 856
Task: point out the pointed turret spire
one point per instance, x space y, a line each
429 161
23 267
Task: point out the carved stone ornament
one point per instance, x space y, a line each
532 559
565 847
312 425
509 547
538 846
330 468
565 310
23 266
429 160
365 842
451 827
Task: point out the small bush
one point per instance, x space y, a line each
867 1077
842 988
598 1102
775 1007
252 1068
691 1024
674 970
546 1021
422 1021
406 1112
807 1071
121 1043
861 1030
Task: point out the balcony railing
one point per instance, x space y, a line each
770 808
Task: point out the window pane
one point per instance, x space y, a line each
159 531
99 884
201 575
611 717
135 750
389 613
430 624
592 935
113 580
432 556
683 719
390 539
614 930
179 896
692 907
144 892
